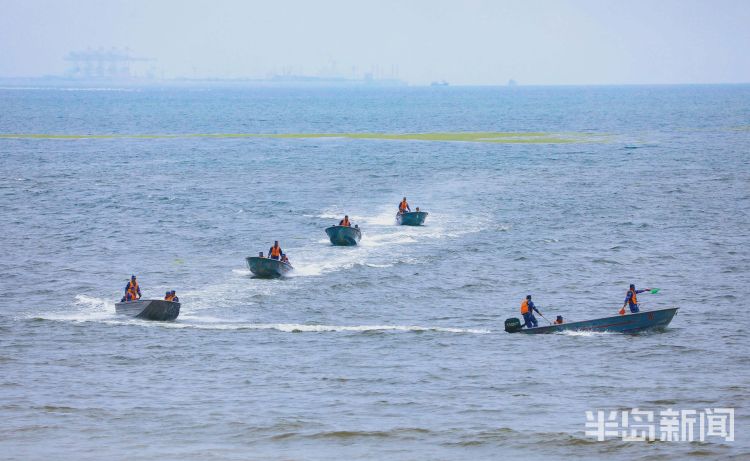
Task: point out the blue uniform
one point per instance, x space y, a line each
529 318
629 299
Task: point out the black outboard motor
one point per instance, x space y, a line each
512 325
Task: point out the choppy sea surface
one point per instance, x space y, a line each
394 349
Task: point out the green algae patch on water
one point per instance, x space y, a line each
479 137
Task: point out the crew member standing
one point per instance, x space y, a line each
527 310
403 207
631 299
275 251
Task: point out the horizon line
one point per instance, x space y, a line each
332 82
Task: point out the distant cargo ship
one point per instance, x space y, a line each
440 83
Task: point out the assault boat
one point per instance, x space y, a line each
630 323
149 309
267 267
411 218
344 235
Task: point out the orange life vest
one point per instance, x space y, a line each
345 222
169 297
276 251
403 205
633 298
133 289
558 322
525 306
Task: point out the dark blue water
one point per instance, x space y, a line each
393 349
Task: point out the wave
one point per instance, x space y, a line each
319 328
93 309
213 323
398 432
88 309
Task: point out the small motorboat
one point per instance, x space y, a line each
630 323
411 218
149 309
267 267
344 235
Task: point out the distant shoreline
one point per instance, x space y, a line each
52 82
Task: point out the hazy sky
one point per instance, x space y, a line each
463 42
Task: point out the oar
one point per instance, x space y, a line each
545 318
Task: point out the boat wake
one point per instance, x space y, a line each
379 231
313 328
84 309
584 333
102 311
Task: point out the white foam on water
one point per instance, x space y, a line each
331 215
233 291
378 266
307 328
387 217
102 311
584 333
311 265
393 238
97 304
84 309
382 241
191 317
384 244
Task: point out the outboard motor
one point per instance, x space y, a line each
512 325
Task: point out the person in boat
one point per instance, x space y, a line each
527 310
417 209
168 296
284 259
174 299
127 298
133 289
403 207
260 254
631 299
559 320
345 222
275 251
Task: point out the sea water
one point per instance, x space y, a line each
393 349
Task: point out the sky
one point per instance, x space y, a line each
468 42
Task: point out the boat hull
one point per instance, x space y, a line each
630 323
412 218
149 309
267 267
344 235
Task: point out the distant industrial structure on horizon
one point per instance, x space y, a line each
111 64
121 66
